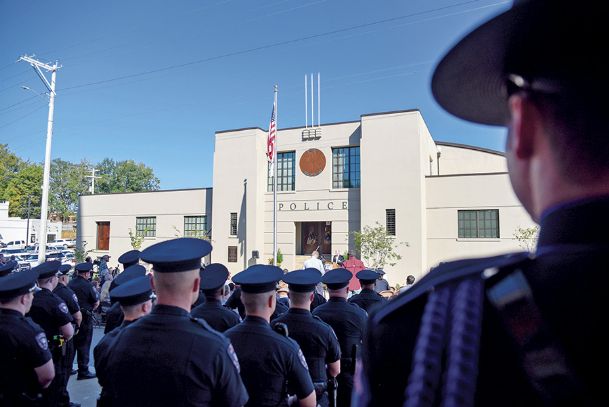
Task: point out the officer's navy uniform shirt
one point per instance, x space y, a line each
381 285
180 361
267 360
316 339
234 301
570 290
216 315
317 301
114 317
367 299
50 312
85 292
280 309
68 296
23 347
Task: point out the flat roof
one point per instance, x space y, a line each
470 147
145 192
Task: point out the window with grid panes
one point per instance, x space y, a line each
286 172
390 221
233 224
145 226
345 167
479 224
195 226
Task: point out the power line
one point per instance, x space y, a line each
267 46
22 117
18 103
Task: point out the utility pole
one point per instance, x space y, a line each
42 238
92 177
27 227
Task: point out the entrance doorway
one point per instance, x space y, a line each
316 236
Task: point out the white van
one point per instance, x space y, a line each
16 244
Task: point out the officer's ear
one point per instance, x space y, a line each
311 297
271 301
526 124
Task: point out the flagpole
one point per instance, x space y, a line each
275 150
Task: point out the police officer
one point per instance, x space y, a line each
349 324
180 359
52 314
381 284
518 329
234 302
88 300
316 338
25 360
129 258
213 277
272 365
135 298
114 315
69 297
367 297
7 268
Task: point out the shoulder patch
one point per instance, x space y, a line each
233 357
63 307
41 340
302 359
75 298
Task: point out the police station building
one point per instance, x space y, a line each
441 201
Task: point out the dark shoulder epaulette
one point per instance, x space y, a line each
449 272
201 322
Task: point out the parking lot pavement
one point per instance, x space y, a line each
85 392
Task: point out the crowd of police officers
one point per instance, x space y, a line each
188 348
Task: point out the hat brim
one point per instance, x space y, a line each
469 82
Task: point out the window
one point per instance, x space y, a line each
483 224
195 226
390 221
345 167
103 236
233 224
145 226
232 254
286 172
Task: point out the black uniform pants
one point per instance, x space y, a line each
56 395
345 386
70 355
82 342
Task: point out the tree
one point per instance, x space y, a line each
136 239
527 237
125 176
26 182
377 248
68 182
10 165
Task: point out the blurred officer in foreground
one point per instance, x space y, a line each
135 298
114 316
7 268
211 310
88 301
349 323
52 314
69 297
316 338
367 298
180 360
272 365
26 365
520 329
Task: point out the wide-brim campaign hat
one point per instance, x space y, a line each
542 46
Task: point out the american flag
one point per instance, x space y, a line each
270 141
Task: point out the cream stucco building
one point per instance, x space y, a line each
441 201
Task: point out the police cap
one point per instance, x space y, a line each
176 255
7 268
133 292
17 284
47 269
259 278
337 278
367 276
213 276
129 258
303 281
64 269
83 267
130 273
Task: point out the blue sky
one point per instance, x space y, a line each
373 56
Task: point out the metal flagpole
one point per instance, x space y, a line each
275 182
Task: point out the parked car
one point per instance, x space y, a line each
62 244
16 244
32 259
23 264
8 252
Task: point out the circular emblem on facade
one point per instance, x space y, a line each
312 162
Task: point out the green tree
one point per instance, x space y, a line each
68 181
10 165
136 239
125 176
26 182
376 247
527 237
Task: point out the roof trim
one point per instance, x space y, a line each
470 147
241 129
145 192
469 174
391 112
